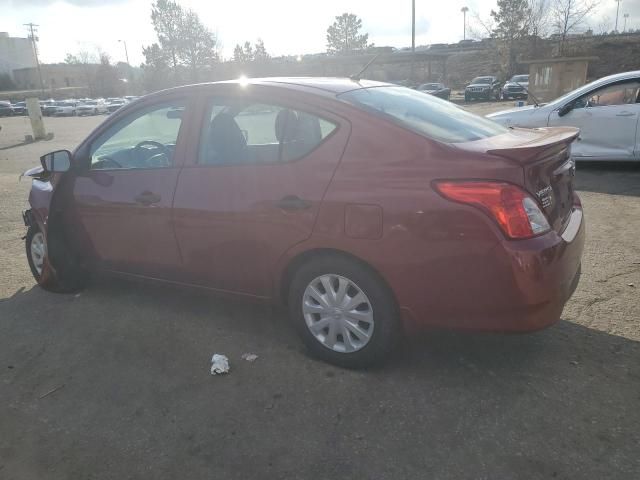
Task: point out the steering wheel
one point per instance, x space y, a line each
142 150
105 163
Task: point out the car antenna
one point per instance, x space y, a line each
356 77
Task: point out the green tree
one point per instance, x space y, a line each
183 40
249 53
197 45
71 59
156 68
259 51
511 24
344 37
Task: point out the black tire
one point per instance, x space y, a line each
386 320
69 281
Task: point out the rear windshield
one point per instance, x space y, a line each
425 114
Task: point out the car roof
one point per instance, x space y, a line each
327 86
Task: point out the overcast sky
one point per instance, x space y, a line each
287 26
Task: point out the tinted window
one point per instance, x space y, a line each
424 114
242 132
144 139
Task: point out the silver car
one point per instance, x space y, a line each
606 111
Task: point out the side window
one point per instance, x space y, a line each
245 132
144 139
620 94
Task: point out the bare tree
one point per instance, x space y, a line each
604 26
569 15
480 27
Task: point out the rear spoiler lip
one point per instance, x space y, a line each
551 140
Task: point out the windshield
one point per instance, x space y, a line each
431 86
520 78
427 115
482 80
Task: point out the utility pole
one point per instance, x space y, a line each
413 26
464 11
126 54
32 35
617 11
625 16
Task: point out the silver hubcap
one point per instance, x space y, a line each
38 251
338 313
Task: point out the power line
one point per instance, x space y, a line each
32 35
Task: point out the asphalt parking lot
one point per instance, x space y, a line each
114 382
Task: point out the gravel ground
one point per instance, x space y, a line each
114 382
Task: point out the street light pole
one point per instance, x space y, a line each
464 11
126 54
413 26
625 16
617 11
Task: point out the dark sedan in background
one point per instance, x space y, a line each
483 88
435 89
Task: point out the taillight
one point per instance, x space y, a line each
515 211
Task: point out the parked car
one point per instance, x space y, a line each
49 107
606 111
516 87
116 104
483 88
435 89
19 108
367 208
5 109
92 107
66 108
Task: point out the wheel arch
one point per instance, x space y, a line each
294 263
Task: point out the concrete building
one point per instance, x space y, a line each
552 77
15 53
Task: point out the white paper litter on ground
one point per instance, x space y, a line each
249 357
219 364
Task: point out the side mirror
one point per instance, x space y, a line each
58 161
565 109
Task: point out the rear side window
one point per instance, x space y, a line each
244 132
425 114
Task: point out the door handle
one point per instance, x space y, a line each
147 198
293 202
625 114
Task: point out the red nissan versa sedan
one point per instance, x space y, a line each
367 208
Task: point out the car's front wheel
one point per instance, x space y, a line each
344 312
69 280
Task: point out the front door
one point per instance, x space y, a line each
253 189
607 119
122 202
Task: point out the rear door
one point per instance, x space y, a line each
122 200
607 119
252 188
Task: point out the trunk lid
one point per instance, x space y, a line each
545 156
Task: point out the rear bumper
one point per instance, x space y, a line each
522 287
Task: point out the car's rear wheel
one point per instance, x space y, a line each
343 311
68 280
